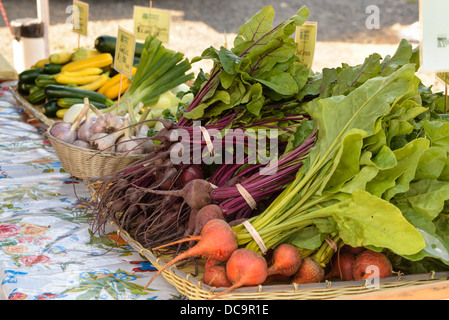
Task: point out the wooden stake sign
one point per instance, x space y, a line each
434 27
80 18
305 38
124 55
151 21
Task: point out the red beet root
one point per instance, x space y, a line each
195 193
190 173
374 261
206 213
342 267
353 250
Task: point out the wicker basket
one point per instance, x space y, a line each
84 163
194 289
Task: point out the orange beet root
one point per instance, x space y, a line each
215 276
310 271
286 260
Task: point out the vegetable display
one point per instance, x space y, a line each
359 175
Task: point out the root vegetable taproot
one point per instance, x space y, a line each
286 260
342 266
368 262
245 268
310 271
205 214
195 193
190 173
215 276
216 243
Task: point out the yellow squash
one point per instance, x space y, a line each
99 61
114 80
61 112
62 57
83 53
83 72
40 63
81 80
113 91
94 85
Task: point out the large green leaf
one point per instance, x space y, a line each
397 179
426 197
337 115
438 133
367 220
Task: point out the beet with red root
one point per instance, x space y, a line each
367 264
342 266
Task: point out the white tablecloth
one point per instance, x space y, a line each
46 248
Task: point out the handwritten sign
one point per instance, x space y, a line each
80 17
305 38
434 26
151 21
124 54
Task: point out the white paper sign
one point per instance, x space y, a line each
434 25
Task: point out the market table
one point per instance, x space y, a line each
47 250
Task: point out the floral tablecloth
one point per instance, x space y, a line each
46 248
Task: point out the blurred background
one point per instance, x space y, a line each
343 35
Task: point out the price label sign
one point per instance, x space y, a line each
434 26
80 17
124 53
151 21
305 38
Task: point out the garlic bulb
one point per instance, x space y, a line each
66 131
127 144
81 144
108 123
85 131
105 141
141 138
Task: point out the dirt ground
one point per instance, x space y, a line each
198 24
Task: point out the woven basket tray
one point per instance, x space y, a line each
194 289
84 163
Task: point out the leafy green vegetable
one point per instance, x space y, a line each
259 72
159 70
343 123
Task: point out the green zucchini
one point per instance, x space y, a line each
44 80
37 95
24 88
28 76
59 91
68 102
51 107
107 44
51 68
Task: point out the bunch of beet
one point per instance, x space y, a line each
157 201
351 263
232 267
